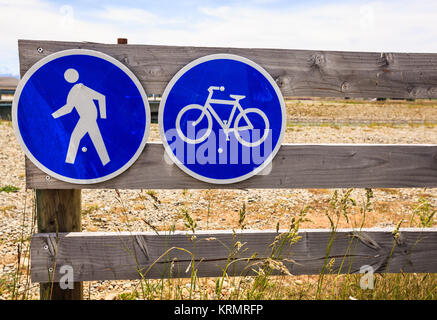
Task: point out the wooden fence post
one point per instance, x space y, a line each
59 210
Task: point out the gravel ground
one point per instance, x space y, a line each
105 210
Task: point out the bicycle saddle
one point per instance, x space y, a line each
237 97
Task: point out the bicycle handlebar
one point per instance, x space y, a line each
212 88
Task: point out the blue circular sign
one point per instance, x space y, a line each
81 116
222 118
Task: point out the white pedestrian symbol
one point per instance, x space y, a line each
82 98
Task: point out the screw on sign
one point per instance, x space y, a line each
81 116
222 118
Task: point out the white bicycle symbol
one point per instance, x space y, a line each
207 110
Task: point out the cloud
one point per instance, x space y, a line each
376 26
133 16
370 26
216 12
35 19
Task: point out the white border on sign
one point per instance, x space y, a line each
176 78
93 53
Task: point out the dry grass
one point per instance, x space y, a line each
264 213
339 210
335 287
419 110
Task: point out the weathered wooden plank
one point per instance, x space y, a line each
59 211
297 72
295 166
110 256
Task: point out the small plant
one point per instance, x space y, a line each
127 296
5 285
153 195
339 206
425 212
156 202
242 216
274 263
189 222
91 208
9 189
191 225
151 226
208 212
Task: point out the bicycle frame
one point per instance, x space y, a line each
226 124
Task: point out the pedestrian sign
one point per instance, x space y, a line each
222 118
81 116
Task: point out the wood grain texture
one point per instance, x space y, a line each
59 211
295 166
297 72
110 256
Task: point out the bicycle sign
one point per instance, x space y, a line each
222 118
207 110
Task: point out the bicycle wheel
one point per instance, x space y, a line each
237 127
183 112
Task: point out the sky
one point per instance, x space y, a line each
379 26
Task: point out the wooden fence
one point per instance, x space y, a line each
105 256
110 256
